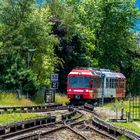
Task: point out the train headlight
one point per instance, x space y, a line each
69 90
86 90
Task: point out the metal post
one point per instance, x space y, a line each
102 79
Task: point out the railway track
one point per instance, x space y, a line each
30 109
108 127
88 132
111 129
7 132
40 129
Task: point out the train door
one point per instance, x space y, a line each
110 87
120 89
95 86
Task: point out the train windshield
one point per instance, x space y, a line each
79 82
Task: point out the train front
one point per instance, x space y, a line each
79 84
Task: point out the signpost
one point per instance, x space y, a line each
54 81
50 94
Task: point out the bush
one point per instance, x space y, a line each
38 97
61 98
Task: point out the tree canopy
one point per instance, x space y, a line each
65 34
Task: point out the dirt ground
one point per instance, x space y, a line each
106 113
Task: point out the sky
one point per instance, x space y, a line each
137 28
138 3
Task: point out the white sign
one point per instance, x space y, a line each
54 85
54 77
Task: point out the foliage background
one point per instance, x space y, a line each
66 34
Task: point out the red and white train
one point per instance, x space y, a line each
93 84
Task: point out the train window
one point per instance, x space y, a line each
116 83
79 81
110 84
94 82
73 80
113 83
98 83
122 84
107 82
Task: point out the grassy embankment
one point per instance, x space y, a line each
135 126
59 98
17 117
10 99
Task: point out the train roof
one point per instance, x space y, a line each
96 72
80 72
110 74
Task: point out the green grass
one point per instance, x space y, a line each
129 125
10 99
118 104
17 117
123 138
62 99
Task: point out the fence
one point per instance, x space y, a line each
134 108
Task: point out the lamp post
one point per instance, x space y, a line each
30 50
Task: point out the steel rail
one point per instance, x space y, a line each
11 134
109 126
31 134
94 129
100 132
26 109
98 122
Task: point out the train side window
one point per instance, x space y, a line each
122 84
116 83
97 83
106 82
110 83
94 82
113 83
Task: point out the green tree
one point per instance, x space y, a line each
23 26
75 40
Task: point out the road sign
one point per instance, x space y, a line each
54 84
54 77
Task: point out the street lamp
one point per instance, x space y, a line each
30 50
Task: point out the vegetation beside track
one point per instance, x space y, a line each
134 126
17 117
11 99
118 104
62 99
